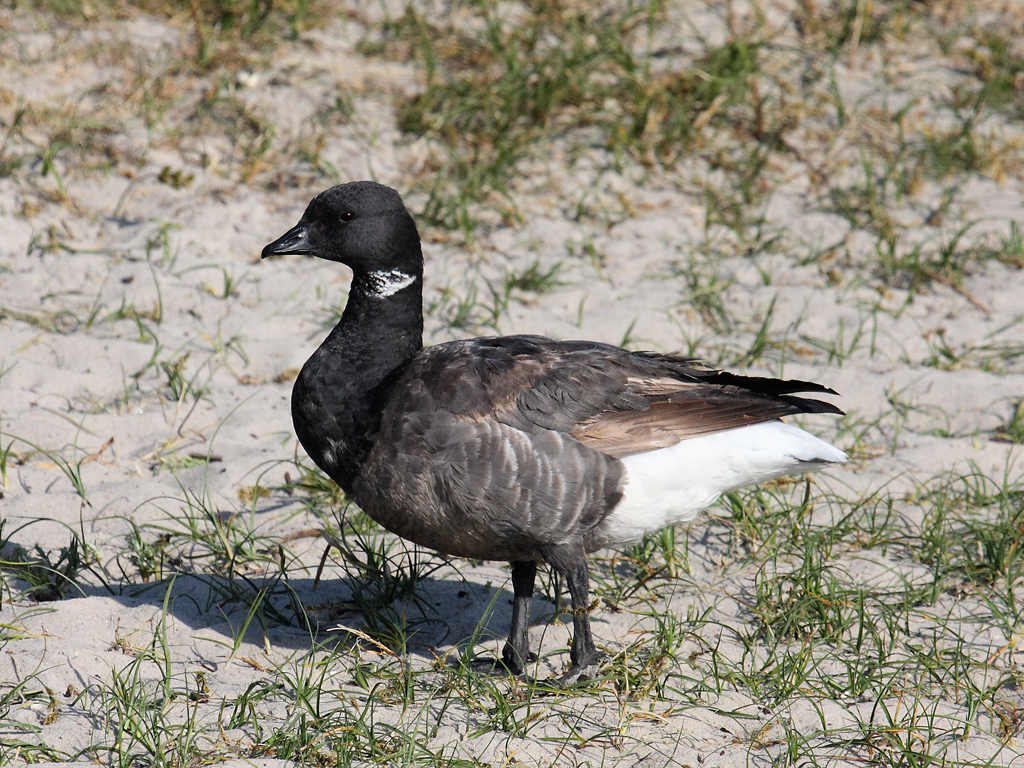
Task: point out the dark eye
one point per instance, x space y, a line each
347 216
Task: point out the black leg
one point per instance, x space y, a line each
517 649
583 653
570 560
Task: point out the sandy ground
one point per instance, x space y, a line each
146 354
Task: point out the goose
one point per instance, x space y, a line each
518 448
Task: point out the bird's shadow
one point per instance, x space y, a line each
428 616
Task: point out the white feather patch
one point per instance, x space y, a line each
671 485
389 283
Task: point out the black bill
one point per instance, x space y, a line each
294 241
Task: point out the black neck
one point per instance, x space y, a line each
339 395
379 333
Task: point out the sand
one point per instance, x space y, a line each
147 354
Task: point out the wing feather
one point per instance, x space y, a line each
617 402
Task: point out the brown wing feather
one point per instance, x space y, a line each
611 400
665 423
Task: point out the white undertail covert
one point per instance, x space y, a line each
671 485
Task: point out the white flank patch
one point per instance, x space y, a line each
389 283
671 485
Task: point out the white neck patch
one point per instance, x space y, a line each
384 284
